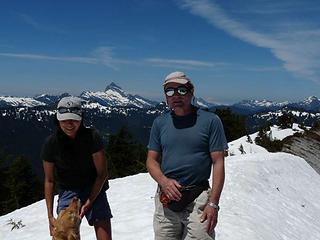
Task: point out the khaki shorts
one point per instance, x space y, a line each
169 225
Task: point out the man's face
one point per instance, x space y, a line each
178 100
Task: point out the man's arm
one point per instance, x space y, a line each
218 176
49 192
210 213
169 186
100 163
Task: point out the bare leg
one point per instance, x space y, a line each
103 230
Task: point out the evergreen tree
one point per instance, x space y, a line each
263 139
241 149
286 120
316 124
249 140
3 188
22 185
234 125
125 156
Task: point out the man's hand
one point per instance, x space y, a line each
52 225
211 216
171 188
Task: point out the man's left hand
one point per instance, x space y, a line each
211 216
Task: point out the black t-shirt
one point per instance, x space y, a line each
74 166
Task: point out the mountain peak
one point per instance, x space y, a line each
113 86
311 99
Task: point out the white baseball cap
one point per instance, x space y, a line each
177 77
69 108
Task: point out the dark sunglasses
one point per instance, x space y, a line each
179 90
74 110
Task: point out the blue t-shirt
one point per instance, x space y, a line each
185 144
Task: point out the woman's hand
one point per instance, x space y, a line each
85 208
52 225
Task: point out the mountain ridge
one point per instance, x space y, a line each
114 95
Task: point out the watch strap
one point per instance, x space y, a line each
214 205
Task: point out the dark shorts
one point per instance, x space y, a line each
100 209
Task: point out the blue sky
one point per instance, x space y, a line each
232 50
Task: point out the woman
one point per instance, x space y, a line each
73 157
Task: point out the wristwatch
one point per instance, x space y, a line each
213 205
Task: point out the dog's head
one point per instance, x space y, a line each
72 212
67 225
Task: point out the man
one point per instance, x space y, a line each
183 146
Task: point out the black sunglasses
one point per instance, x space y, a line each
181 90
74 110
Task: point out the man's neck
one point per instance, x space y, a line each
183 111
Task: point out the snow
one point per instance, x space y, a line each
261 103
279 134
21 101
115 96
249 148
275 133
98 106
267 196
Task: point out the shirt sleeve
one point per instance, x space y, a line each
47 151
154 139
97 142
217 138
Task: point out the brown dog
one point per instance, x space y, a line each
67 225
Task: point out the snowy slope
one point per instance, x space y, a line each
267 196
275 133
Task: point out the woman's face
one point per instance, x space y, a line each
70 127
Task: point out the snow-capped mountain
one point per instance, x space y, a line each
200 102
255 121
50 99
311 103
252 105
9 101
116 96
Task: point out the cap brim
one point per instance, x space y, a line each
176 80
68 116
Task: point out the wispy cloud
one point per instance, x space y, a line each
181 63
102 55
46 57
40 26
298 48
29 20
259 69
277 7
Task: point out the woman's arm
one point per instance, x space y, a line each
49 191
100 163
